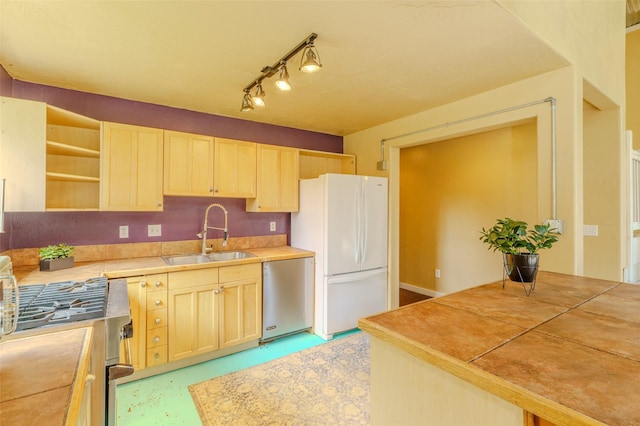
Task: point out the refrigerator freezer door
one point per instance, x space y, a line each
374 221
342 224
350 297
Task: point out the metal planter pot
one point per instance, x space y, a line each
521 268
56 264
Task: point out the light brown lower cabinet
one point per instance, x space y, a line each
215 308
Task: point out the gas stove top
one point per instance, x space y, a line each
44 305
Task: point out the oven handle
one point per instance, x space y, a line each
120 370
127 334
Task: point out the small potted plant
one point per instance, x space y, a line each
519 246
55 257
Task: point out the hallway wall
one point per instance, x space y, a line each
450 190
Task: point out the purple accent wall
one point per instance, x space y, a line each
182 216
6 83
106 108
181 219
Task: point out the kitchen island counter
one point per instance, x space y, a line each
568 354
42 378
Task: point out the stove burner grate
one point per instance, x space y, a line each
49 304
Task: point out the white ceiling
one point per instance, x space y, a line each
382 60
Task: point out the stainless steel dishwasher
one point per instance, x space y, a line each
287 297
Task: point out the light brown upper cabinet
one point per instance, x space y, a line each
131 168
49 157
277 180
22 154
188 164
316 163
234 169
73 161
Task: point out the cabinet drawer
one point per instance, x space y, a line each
157 355
155 282
240 272
156 318
156 337
193 278
156 300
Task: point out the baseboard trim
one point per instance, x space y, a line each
420 290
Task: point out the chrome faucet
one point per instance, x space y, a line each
206 226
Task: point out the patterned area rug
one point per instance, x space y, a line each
324 385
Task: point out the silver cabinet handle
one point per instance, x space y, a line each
158 321
158 302
221 289
156 339
158 283
143 283
156 355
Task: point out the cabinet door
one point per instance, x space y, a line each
234 171
23 154
131 168
188 164
193 327
277 180
240 303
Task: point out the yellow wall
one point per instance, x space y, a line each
633 85
602 206
588 33
449 190
591 35
565 87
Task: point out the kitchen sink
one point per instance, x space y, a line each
188 259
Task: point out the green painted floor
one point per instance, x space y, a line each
165 400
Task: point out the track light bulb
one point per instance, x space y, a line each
247 105
310 61
282 82
258 98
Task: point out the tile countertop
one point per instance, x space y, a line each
569 353
42 377
145 265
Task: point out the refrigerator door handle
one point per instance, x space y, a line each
358 226
365 225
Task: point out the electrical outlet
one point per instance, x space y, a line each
437 273
272 226
124 231
590 230
154 230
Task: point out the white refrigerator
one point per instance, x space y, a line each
343 219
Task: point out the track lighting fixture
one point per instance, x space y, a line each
247 104
258 98
309 62
282 82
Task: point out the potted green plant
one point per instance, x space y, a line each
54 257
519 246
